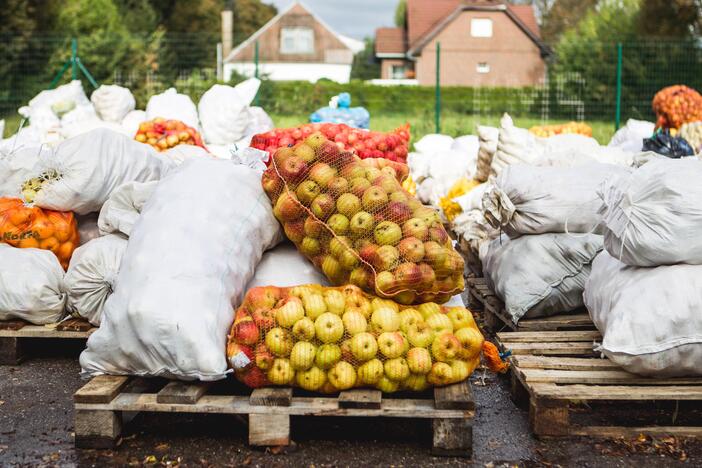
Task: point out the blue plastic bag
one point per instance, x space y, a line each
339 111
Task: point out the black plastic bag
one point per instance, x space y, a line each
662 142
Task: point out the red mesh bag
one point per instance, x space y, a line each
358 225
332 339
677 105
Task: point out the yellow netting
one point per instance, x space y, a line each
461 187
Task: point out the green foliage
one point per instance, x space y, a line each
365 66
401 14
669 18
563 15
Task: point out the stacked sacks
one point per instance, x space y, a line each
644 292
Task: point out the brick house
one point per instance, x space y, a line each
294 45
483 43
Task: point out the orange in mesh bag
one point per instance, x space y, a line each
31 227
358 225
331 339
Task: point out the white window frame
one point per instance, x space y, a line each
481 27
392 71
298 35
482 67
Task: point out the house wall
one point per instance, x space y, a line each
291 71
514 59
327 47
386 67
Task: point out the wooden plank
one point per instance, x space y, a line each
600 377
74 324
183 393
624 431
97 429
548 417
12 324
101 389
269 429
549 336
557 322
528 361
614 392
42 331
271 397
452 437
300 406
11 351
456 396
360 399
561 349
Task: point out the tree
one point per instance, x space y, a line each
364 66
561 16
401 14
669 18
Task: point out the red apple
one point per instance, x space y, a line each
253 378
323 206
398 212
287 207
293 169
411 249
271 182
407 274
246 332
264 318
295 230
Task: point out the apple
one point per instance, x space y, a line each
293 169
359 185
387 233
338 245
374 198
361 224
302 355
246 332
253 378
429 308
310 246
338 186
440 322
411 249
386 385
281 372
332 269
322 174
434 254
279 341
311 379
263 297
348 260
361 277
427 214
440 374
372 173
415 227
287 207
311 227
289 312
409 317
386 258
461 317
353 170
329 327
314 305
335 301
262 357
471 340
416 383
398 196
460 370
438 234
391 344
315 140
338 223
307 191
363 346
295 230
379 303
271 182
387 170
348 204
396 369
385 284
322 206
407 274
304 152
389 185
419 360
303 330
420 335
428 275
445 347
239 356
264 318
327 355
342 375
370 372
385 319
356 300
406 297
354 322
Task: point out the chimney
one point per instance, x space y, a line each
227 25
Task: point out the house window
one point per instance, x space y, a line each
483 67
397 72
296 41
481 27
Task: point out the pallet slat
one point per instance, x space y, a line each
184 393
617 392
271 397
456 396
549 336
42 331
360 399
528 361
562 349
597 377
101 389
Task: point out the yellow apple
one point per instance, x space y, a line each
329 328
471 340
335 301
363 346
311 379
416 382
290 312
327 356
396 369
440 374
354 322
281 372
440 322
370 372
303 330
460 370
391 344
379 303
461 318
342 375
419 360
385 319
314 305
386 385
279 341
429 308
445 347
302 355
420 335
409 317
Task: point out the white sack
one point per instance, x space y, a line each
131 122
91 276
94 164
31 285
181 153
631 136
17 166
466 143
649 318
79 128
654 216
224 111
87 227
259 121
46 108
187 264
433 142
487 137
283 266
171 105
536 200
540 275
121 211
112 103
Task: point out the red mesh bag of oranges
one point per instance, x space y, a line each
358 225
332 339
677 105
31 227
164 134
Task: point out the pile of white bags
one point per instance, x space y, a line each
177 288
631 136
540 275
487 137
224 111
31 285
172 105
283 266
123 207
112 103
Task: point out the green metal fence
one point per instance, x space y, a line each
615 82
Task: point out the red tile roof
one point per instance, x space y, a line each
390 41
526 14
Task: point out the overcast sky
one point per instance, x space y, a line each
354 18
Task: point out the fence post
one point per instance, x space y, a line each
618 115
74 54
256 69
437 96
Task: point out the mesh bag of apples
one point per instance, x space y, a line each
164 134
330 339
31 227
393 146
676 105
358 225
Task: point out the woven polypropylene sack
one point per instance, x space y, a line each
358 225
332 339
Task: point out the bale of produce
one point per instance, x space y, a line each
31 227
358 225
365 144
163 134
332 339
676 105
545 131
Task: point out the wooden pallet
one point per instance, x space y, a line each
557 371
481 297
100 403
474 266
17 335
